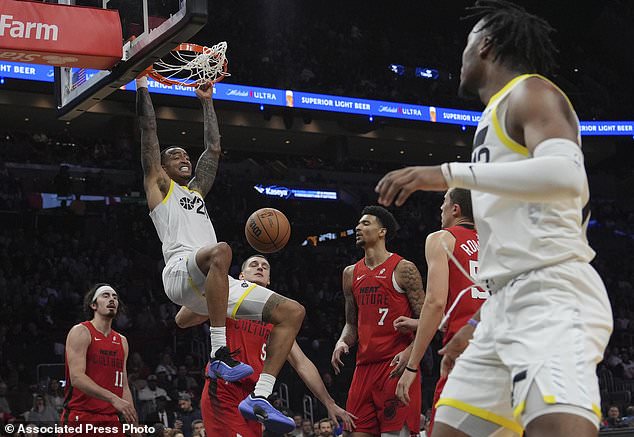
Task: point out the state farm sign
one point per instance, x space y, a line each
59 34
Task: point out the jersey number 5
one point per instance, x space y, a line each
476 293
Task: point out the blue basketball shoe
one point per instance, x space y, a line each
224 366
260 409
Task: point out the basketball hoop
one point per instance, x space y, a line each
191 65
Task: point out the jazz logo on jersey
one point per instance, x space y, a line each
186 203
189 204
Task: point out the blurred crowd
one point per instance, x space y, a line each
347 49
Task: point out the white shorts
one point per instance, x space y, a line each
547 329
184 284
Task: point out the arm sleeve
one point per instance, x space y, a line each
555 172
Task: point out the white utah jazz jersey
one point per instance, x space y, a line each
182 222
517 236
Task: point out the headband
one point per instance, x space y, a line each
100 290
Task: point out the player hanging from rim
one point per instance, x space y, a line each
97 389
378 289
197 265
532 361
219 403
448 290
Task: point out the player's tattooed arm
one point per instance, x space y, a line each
207 165
150 151
153 174
409 279
349 332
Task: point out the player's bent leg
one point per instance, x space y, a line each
253 302
186 318
214 262
287 316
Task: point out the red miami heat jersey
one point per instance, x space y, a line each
248 338
104 365
466 252
379 303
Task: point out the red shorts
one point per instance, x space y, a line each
439 386
85 423
373 400
219 408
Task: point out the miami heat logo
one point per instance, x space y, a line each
389 408
186 203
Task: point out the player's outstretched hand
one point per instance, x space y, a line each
127 409
454 348
205 91
405 325
396 186
337 364
399 362
339 415
403 385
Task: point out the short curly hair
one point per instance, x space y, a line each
385 218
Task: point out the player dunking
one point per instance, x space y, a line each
377 289
196 265
445 282
97 388
532 361
219 403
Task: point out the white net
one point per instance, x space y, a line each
189 68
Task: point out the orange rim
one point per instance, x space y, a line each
186 47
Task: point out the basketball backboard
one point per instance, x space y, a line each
151 28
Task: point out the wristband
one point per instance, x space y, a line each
142 82
473 322
411 370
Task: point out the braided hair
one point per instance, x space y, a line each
520 40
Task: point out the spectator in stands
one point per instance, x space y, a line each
41 413
147 398
55 395
297 418
162 415
325 428
628 364
187 414
615 362
137 366
198 428
184 382
614 419
307 429
167 364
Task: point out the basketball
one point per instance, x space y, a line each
267 230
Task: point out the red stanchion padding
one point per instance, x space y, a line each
60 35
